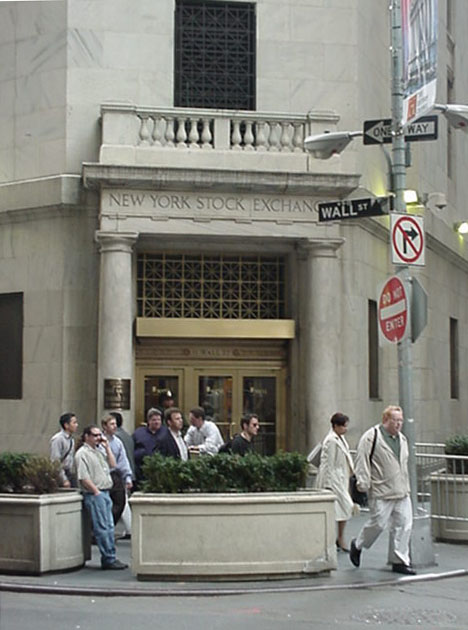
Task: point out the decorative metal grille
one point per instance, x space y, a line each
215 55
213 287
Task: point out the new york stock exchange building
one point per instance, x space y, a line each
159 226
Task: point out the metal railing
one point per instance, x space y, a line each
443 493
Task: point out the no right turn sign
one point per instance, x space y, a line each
408 243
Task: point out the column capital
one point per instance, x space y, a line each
319 247
115 241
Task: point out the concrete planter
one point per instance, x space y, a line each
41 533
449 502
232 536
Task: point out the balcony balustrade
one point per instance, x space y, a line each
219 139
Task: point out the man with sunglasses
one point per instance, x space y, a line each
243 443
93 472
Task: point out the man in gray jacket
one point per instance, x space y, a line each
62 449
382 471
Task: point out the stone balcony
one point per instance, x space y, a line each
211 139
216 150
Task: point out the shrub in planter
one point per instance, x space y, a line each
11 471
208 504
457 445
284 472
42 527
31 474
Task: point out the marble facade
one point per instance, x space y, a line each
82 189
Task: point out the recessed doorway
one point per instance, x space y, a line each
227 380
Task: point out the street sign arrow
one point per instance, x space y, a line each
377 131
352 208
424 128
380 131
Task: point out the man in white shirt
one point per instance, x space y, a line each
172 443
203 436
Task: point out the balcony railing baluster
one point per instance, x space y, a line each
220 130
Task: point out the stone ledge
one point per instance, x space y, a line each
96 176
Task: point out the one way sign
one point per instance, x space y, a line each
380 131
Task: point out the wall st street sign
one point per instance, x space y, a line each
380 131
351 209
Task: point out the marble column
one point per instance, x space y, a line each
321 334
116 315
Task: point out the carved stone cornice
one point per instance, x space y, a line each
97 176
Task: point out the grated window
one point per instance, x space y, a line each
215 55
212 287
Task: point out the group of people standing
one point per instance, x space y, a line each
381 470
107 462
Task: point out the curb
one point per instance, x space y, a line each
37 589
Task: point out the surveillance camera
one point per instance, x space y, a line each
436 201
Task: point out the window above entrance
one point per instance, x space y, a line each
210 287
215 54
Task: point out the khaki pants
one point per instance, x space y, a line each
399 515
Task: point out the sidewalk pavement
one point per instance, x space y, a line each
451 559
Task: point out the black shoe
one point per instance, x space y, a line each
114 566
355 554
403 568
340 548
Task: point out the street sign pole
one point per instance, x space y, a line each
399 182
421 540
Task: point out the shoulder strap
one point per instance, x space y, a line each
67 453
373 446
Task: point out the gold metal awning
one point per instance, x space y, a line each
216 328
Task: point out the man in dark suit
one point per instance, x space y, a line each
172 444
146 437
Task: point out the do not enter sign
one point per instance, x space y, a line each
393 311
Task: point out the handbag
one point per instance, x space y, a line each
356 495
315 454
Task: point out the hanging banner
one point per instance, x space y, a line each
419 20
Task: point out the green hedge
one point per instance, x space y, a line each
27 473
284 472
457 445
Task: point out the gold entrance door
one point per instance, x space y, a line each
215 396
261 395
225 394
228 394
157 388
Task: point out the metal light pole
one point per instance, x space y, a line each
421 543
405 383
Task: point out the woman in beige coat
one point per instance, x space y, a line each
336 467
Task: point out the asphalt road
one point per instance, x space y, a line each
440 604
